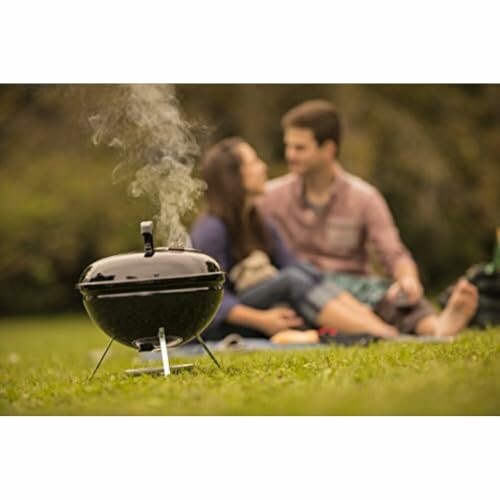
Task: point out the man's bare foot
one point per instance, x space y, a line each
460 308
295 337
386 333
381 329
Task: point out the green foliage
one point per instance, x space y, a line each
45 364
433 151
54 224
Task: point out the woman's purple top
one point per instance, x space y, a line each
210 235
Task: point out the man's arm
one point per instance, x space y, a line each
407 281
383 235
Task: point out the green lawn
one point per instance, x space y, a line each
45 363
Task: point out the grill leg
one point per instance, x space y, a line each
207 350
102 357
164 352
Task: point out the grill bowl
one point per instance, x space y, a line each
131 296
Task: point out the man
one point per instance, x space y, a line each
332 219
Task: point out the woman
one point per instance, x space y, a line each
234 232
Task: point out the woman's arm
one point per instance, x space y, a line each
281 256
269 321
209 235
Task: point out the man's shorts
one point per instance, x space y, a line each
405 319
367 289
371 290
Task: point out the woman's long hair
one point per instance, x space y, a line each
225 198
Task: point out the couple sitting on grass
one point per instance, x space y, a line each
296 250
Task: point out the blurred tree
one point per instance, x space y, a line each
433 151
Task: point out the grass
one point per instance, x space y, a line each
45 363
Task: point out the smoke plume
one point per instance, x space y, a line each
157 147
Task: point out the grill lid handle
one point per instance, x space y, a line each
147 234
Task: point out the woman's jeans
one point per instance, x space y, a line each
300 287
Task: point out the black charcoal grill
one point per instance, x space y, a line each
155 300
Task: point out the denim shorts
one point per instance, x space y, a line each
301 286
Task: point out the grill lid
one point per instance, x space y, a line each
154 266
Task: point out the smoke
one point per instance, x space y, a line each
157 147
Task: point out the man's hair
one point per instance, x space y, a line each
320 116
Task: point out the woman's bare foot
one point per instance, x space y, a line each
295 337
459 310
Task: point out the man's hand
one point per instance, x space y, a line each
409 287
407 290
279 318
